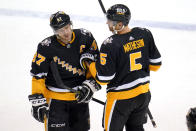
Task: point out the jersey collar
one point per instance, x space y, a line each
73 38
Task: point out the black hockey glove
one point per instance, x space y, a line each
89 57
39 107
86 91
191 119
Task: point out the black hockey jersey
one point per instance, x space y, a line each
125 62
67 58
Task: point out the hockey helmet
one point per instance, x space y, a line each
120 13
59 20
191 119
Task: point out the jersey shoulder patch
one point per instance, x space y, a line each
108 40
46 42
85 32
142 29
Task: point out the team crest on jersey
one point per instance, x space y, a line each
85 32
46 42
108 40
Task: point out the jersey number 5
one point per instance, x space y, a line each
103 58
133 65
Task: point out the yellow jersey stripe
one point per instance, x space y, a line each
92 69
38 86
128 94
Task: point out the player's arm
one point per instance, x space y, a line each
155 56
90 49
39 72
39 68
103 70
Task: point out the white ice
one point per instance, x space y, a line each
24 23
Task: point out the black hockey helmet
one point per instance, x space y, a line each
191 119
120 13
59 20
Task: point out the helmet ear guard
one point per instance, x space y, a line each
59 20
119 13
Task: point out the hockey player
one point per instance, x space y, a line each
191 119
59 108
125 61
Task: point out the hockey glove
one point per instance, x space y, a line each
86 91
191 119
89 57
39 107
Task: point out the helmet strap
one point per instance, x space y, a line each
115 31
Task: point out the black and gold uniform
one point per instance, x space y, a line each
124 65
64 111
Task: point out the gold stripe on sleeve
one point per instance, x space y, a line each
93 71
154 67
38 86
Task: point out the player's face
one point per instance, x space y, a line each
64 33
110 24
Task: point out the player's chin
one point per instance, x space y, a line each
65 38
110 28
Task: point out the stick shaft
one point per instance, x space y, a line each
102 6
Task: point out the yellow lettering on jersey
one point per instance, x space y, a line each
63 63
74 70
133 58
133 45
81 48
41 59
59 61
103 58
55 58
79 71
70 68
67 66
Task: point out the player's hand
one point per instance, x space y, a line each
39 107
86 91
87 57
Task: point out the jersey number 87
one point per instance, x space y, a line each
38 58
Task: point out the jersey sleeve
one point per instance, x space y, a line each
154 54
89 40
105 67
41 59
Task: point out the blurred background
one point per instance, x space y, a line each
24 23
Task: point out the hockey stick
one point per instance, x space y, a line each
151 118
102 6
60 83
148 111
